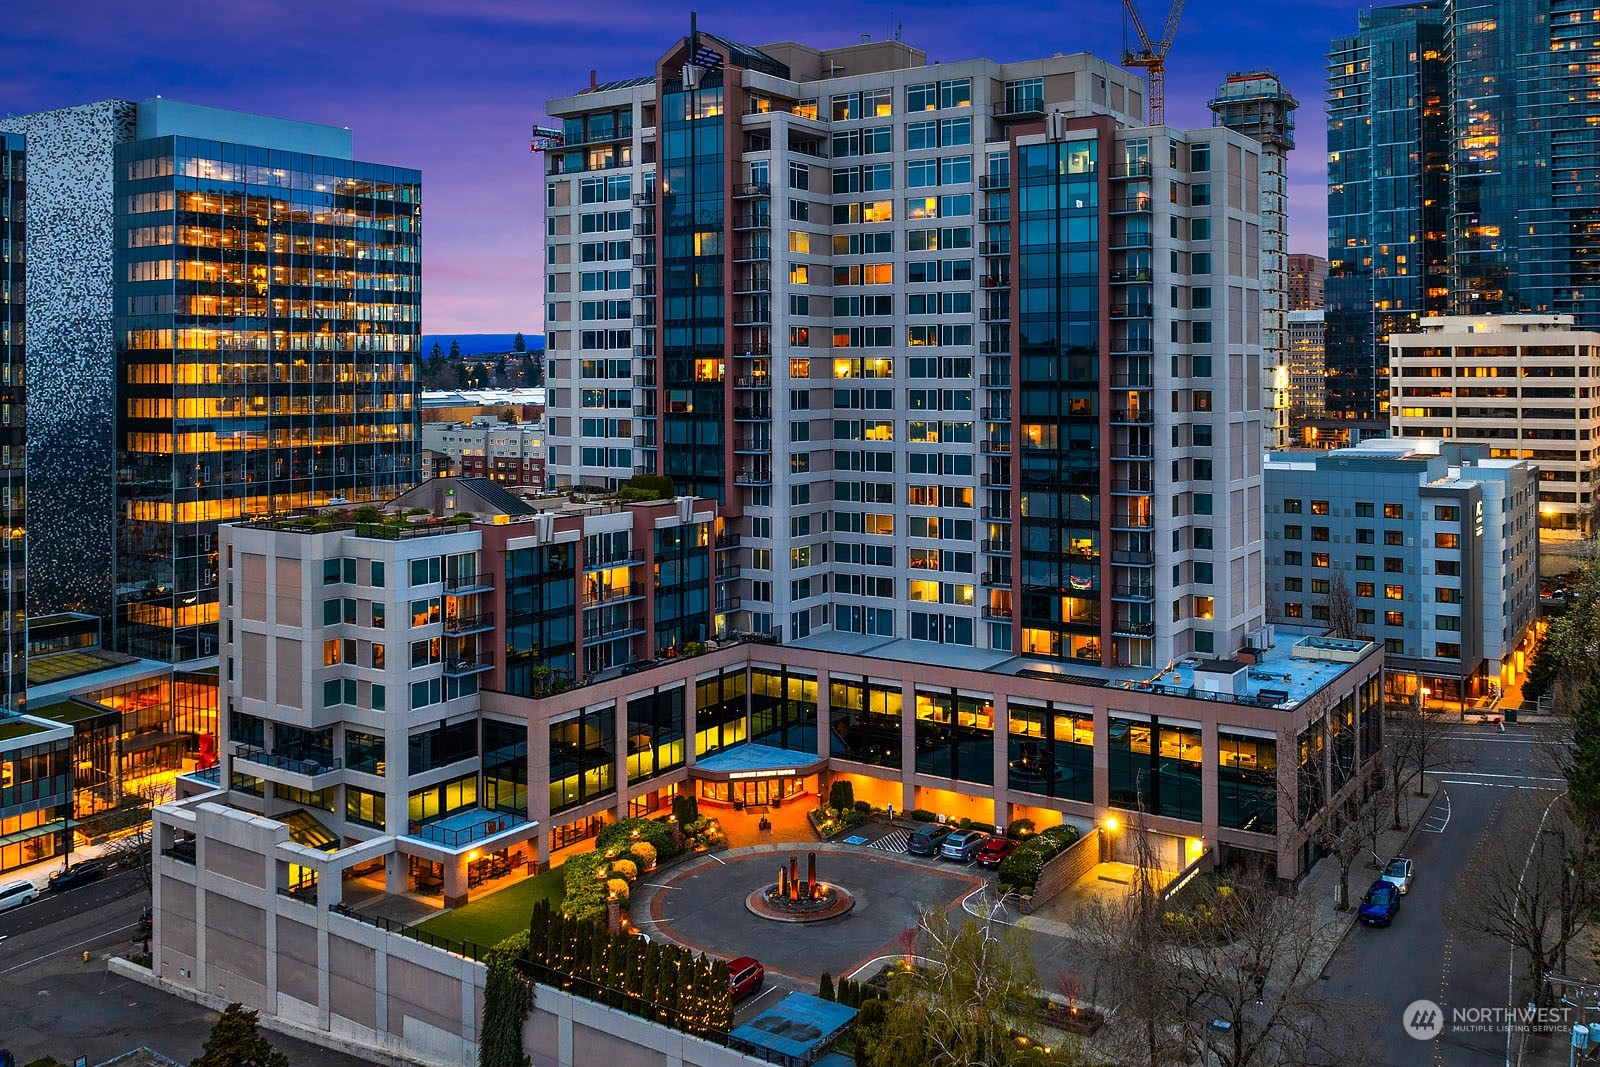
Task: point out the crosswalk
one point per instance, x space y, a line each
893 841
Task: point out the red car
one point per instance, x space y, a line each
745 975
994 850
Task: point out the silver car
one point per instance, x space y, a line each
963 845
1398 874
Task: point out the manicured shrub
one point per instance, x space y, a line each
1017 829
644 852
620 836
627 870
686 809
863 807
842 794
825 986
617 887
923 815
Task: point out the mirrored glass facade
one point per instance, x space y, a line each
268 309
13 423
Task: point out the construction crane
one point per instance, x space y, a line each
1152 57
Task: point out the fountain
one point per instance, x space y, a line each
791 900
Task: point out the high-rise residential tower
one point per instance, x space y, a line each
1462 141
1258 106
13 421
968 353
1388 141
224 315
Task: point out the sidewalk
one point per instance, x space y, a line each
1318 889
39 873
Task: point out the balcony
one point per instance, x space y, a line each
461 584
1139 169
1131 522
612 594
462 667
760 446
995 548
644 381
1133 592
1130 205
1132 311
646 320
1129 628
1132 487
752 253
1125 450
753 283
1131 240
621 133
995 348
750 190
630 558
763 383
469 624
994 214
996 448
994 182
1133 557
995 281
729 540
747 413
994 248
995 381
753 221
1000 579
1027 107
645 259
994 414
997 480
645 351
995 314
644 200
1124 276
752 477
996 613
996 514
611 631
310 767
752 318
644 229
727 603
1133 346
747 346
728 574
645 288
1133 381
1131 416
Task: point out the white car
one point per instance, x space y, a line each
16 894
1398 874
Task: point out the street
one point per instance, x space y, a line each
1428 954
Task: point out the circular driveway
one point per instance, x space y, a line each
701 905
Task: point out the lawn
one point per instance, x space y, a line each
491 919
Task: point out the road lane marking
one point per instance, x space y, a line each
1435 813
68 948
1499 785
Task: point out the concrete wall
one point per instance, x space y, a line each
1078 860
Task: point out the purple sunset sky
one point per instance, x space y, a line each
452 88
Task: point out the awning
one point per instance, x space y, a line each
747 762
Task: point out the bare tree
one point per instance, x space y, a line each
1417 742
1255 965
1534 884
1343 620
1134 967
132 851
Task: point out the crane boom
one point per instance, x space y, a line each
1153 56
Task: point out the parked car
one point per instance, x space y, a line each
76 875
1398 874
745 975
994 850
963 845
1380 903
16 894
926 839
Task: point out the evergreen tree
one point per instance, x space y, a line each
719 998
825 987
519 343
455 349
1582 767
530 377
436 353
236 1041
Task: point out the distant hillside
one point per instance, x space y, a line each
474 343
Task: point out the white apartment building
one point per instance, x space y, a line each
507 453
1524 385
969 354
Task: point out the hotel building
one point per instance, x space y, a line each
223 319
968 354
1427 547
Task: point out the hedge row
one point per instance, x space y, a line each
1019 872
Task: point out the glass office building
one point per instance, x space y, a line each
268 308
13 423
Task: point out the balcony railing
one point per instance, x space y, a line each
460 836
1131 522
755 445
1131 416
752 477
629 558
998 579
461 667
469 624
728 574
998 448
644 229
1132 240
999 313
996 281
995 548
1133 592
994 182
308 766
612 630
995 381
1133 346
761 221
752 383
997 480
754 253
1133 381
996 514
1129 628
645 288
729 540
1139 169
458 584
1141 274
746 413
1132 311
609 594
1133 486
1133 557
994 248
992 414
751 189
1130 205
996 613
994 214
